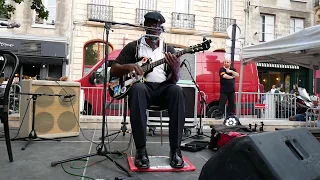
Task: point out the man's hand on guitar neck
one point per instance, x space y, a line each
134 69
173 62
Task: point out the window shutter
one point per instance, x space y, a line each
261 28
148 4
299 24
292 26
269 28
223 8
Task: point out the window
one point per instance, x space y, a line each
223 8
93 53
51 6
100 2
296 24
182 6
266 27
148 4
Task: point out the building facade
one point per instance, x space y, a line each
267 20
41 45
187 22
316 11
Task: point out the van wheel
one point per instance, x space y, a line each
213 111
87 110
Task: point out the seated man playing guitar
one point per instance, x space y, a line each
159 89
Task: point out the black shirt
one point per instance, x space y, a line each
226 85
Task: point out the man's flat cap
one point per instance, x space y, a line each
154 15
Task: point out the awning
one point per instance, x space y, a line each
37 60
280 66
301 48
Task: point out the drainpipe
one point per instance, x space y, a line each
246 10
71 38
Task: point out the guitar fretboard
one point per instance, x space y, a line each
161 61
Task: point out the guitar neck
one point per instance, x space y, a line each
161 61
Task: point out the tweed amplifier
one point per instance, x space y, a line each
55 116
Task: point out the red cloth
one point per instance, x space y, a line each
225 138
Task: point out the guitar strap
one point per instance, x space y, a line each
166 68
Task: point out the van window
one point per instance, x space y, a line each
100 72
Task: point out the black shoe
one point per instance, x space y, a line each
176 160
141 159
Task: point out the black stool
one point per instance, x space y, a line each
159 109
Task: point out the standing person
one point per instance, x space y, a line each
227 88
160 89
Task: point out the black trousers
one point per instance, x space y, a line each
223 100
166 95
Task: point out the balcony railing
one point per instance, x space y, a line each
221 24
183 20
140 15
316 3
100 13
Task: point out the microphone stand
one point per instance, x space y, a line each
33 134
203 103
102 150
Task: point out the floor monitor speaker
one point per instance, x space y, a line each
280 155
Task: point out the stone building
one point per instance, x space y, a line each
187 22
41 45
317 11
267 20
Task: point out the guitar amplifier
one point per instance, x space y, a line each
191 99
55 116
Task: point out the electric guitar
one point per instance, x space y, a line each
119 87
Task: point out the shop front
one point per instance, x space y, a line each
272 74
39 57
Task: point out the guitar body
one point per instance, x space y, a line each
119 87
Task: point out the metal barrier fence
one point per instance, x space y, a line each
253 105
267 105
14 98
91 102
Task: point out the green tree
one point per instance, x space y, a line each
6 10
91 55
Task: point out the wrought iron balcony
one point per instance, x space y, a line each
221 24
100 13
183 20
140 15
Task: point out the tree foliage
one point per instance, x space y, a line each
6 10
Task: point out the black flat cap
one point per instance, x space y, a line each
154 15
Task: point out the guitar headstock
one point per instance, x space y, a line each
205 45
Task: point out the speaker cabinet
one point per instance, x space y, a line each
54 116
281 155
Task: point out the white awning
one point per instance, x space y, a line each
280 66
301 48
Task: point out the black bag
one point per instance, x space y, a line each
220 135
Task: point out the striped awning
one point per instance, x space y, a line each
274 65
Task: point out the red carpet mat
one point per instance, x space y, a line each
161 164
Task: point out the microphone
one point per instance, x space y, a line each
183 63
10 25
68 96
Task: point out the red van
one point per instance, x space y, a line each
207 77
